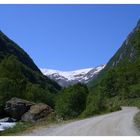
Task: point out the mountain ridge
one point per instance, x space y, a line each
66 78
20 77
128 52
118 84
8 46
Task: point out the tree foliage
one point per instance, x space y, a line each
71 101
17 80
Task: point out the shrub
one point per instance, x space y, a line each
95 104
134 91
71 101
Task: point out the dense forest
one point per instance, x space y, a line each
20 77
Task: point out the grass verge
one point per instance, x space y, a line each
23 127
137 120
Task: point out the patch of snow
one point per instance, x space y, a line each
66 78
70 75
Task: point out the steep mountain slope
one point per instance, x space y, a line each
118 84
20 77
128 52
66 78
8 47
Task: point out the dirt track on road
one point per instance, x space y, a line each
118 123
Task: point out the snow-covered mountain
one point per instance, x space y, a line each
66 78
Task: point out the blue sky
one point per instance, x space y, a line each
69 37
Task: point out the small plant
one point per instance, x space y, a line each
137 120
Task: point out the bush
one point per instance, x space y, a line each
134 91
35 93
71 101
94 105
17 80
113 104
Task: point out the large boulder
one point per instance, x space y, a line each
36 112
16 107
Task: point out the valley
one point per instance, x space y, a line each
29 94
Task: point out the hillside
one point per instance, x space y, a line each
20 77
8 47
128 52
118 83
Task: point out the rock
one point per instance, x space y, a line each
36 112
7 119
59 119
16 107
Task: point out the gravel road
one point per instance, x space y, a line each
119 123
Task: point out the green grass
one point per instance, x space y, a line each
130 102
137 120
22 127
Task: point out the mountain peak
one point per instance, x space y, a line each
138 23
66 78
137 27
